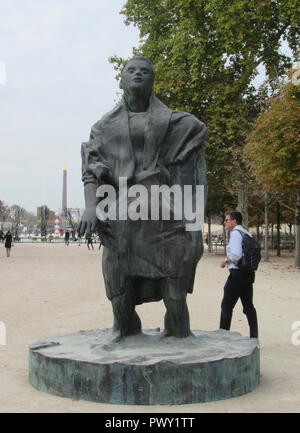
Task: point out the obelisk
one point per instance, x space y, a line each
64 192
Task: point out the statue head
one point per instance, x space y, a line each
138 77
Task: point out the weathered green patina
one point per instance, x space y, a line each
144 142
145 369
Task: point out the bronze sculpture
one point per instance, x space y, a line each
143 141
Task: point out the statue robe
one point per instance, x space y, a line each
173 154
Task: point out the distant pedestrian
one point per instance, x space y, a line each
100 243
79 239
89 241
8 242
1 236
206 238
67 237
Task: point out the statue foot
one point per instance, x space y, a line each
135 326
117 339
165 334
116 336
179 334
134 332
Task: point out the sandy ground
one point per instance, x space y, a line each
50 290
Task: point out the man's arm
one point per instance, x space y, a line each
225 262
235 247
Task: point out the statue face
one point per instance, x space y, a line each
137 75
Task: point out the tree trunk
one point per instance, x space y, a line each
257 232
278 228
266 252
290 237
297 231
272 236
224 239
242 205
209 234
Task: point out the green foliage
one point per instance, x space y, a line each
274 144
206 54
205 51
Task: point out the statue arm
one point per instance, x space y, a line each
89 219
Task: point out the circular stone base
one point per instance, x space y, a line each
146 369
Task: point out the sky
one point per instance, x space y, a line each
58 83
55 83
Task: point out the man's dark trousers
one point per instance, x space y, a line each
239 285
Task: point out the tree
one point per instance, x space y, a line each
273 150
206 54
43 214
4 213
16 216
72 224
218 203
289 219
30 221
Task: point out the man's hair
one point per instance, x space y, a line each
235 215
142 58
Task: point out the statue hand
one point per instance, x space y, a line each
88 222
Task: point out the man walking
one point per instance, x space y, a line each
89 241
239 283
8 242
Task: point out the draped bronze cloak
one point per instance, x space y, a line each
173 154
